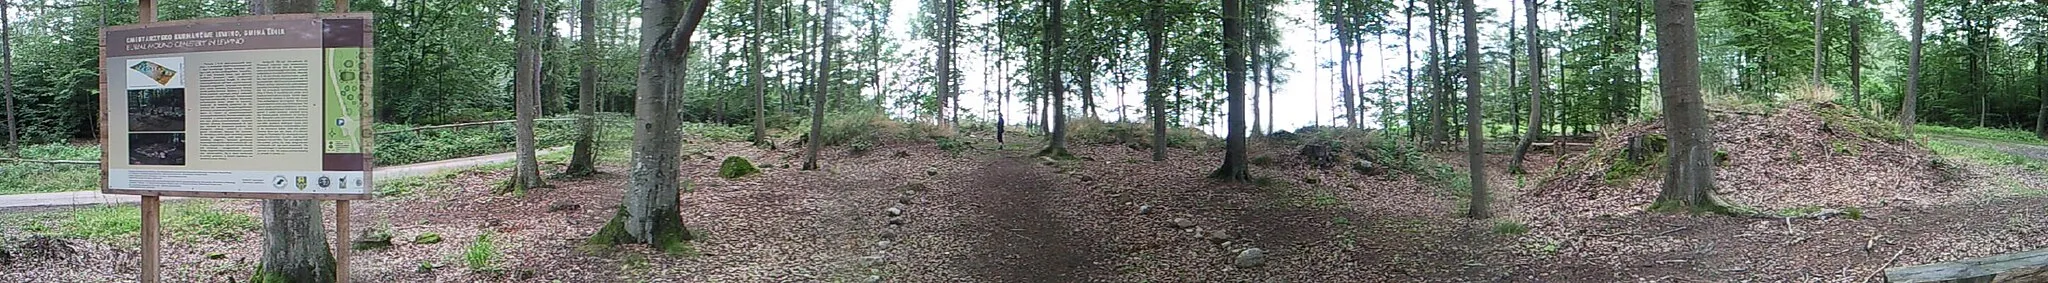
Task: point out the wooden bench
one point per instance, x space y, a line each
2029 266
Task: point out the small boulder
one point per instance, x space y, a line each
893 211
735 167
427 239
1251 257
884 244
1217 236
873 279
931 171
1183 223
1144 209
561 206
1365 167
370 239
898 221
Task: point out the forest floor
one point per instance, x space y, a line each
993 214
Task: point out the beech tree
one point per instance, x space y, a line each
823 88
583 154
1235 167
1912 69
294 239
1054 47
1155 87
650 214
525 80
1689 174
758 80
1536 85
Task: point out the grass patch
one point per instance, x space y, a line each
2005 135
1990 156
481 253
184 221
1510 227
409 147
29 178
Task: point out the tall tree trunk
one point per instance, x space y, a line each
1536 85
1271 88
1856 54
7 75
1054 45
651 214
1408 69
294 240
1689 180
549 101
1820 47
1475 124
2041 88
945 64
1155 86
1254 67
760 82
1087 83
1344 44
1439 130
525 89
1913 69
583 156
1234 164
823 86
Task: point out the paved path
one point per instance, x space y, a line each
382 173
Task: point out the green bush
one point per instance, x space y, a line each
1982 133
1084 130
411 147
735 167
719 133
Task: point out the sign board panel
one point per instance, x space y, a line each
246 107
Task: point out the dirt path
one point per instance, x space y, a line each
2030 151
1025 242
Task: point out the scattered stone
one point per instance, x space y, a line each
1251 257
893 211
370 239
427 266
561 206
427 239
901 154
1365 167
898 221
874 279
1085 178
1311 180
1144 209
45 247
523 275
884 244
1217 236
1183 223
735 167
931 171
216 255
889 235
1826 213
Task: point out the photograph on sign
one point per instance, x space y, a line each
255 107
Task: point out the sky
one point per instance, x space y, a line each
1305 99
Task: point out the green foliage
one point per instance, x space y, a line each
735 167
1958 151
481 253
428 238
29 177
1085 130
1992 134
718 133
190 221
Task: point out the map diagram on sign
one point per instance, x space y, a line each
162 75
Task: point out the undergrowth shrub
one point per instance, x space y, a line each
1085 130
29 177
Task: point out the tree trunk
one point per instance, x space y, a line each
1913 69
650 214
1408 69
1087 83
524 91
583 156
1536 85
1475 124
823 87
1439 89
1254 68
1054 45
549 101
1689 178
760 82
1344 44
2041 88
1234 164
944 82
7 75
1820 12
1856 54
1155 87
294 238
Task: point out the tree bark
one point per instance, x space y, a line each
945 64
1155 87
1689 176
1054 45
294 240
824 85
583 155
1856 54
650 214
1234 155
1536 85
1820 12
1913 69
1439 89
1475 124
2041 88
1408 69
524 91
760 82
7 75
1344 44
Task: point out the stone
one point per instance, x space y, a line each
1217 236
1365 167
898 221
893 211
884 244
1144 209
561 206
1251 257
888 234
1311 180
369 239
931 171
427 266
901 154
427 239
216 255
735 167
1826 213
1183 223
1084 178
873 279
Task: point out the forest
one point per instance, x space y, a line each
1086 141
